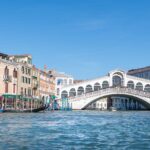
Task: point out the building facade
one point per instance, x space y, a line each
35 82
60 80
140 72
44 86
8 77
24 73
20 77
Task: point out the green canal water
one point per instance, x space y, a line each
75 130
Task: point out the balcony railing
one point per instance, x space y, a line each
7 78
116 90
35 86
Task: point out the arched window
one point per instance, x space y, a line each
97 87
105 84
6 73
64 94
22 69
139 86
130 84
72 92
88 89
80 90
117 81
15 73
147 88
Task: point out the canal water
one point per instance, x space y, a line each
75 130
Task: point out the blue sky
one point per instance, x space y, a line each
85 38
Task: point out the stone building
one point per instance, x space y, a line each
44 85
24 63
8 75
35 82
60 80
140 72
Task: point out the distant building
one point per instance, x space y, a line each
140 72
4 56
61 80
44 86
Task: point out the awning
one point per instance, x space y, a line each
11 96
53 96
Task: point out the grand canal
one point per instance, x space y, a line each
75 130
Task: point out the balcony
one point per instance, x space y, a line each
7 78
34 77
35 86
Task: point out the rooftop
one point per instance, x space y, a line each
59 74
23 55
139 70
3 56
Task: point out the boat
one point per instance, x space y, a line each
112 109
1 110
42 108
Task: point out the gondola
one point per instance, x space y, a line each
42 108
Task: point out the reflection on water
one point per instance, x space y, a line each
75 130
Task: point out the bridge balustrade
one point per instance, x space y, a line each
116 90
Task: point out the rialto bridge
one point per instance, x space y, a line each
116 89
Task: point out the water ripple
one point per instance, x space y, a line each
75 130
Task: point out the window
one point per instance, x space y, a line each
6 72
21 90
105 84
15 73
29 71
22 69
22 79
59 81
29 80
25 91
29 61
26 71
26 80
117 81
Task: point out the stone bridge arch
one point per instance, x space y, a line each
140 100
82 101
